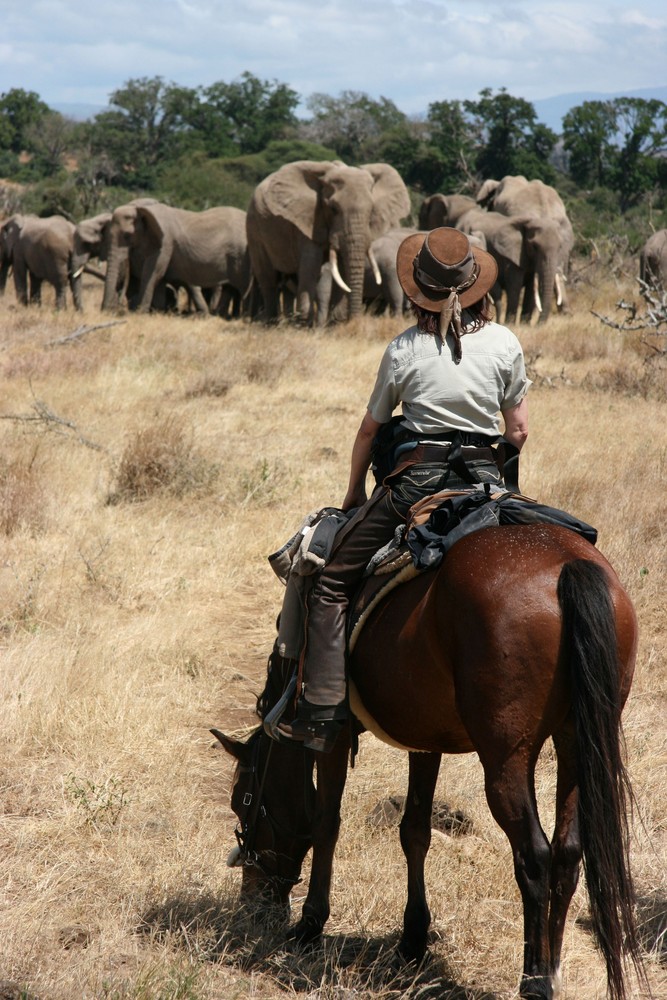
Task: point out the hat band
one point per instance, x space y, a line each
433 285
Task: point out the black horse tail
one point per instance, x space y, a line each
589 639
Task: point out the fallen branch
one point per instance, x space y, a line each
81 331
50 421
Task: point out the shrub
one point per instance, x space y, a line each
162 458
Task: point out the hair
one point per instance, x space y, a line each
475 317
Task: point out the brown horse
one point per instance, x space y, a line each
522 634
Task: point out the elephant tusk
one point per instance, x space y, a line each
559 289
335 273
538 300
78 272
374 265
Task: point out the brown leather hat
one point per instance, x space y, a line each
431 267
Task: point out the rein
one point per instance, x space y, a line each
246 829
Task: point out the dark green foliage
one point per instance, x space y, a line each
196 182
352 124
619 145
510 140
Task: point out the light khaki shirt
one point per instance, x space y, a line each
436 394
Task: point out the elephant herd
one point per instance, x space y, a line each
318 242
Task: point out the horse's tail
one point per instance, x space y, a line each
589 642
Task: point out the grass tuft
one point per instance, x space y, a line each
162 458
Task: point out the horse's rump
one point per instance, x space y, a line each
472 638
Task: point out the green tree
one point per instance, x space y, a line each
142 128
19 110
642 126
510 139
249 112
588 134
619 144
456 139
352 124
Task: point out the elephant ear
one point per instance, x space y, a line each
508 241
152 215
391 201
486 193
293 193
90 230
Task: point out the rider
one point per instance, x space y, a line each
453 372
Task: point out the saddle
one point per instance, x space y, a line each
437 522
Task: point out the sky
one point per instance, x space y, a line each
413 52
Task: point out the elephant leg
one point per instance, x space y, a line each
35 289
415 841
513 287
153 271
21 282
310 268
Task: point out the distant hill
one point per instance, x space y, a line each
79 112
552 110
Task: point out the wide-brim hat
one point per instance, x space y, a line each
431 266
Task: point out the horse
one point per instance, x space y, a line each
522 634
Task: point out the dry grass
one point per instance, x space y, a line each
127 629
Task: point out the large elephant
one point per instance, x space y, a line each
517 196
39 250
653 260
308 212
196 249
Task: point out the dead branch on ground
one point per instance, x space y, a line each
81 331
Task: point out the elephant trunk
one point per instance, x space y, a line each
115 276
355 249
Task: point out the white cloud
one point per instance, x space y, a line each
411 51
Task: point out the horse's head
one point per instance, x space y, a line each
273 796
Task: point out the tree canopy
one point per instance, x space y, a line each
161 138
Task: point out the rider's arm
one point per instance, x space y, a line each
516 424
360 461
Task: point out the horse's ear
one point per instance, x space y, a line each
233 747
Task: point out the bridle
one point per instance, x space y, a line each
284 871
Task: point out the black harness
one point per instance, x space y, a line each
254 809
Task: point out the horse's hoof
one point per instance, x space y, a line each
408 953
307 933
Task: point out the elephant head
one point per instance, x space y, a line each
444 210
9 234
91 239
125 232
653 260
308 212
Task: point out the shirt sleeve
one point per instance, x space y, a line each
518 383
385 396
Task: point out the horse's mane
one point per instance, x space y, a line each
278 671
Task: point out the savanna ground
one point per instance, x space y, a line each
146 470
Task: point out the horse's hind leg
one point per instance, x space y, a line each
415 841
331 777
511 796
565 846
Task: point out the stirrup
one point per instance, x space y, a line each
275 714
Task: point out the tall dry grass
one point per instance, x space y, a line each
146 470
